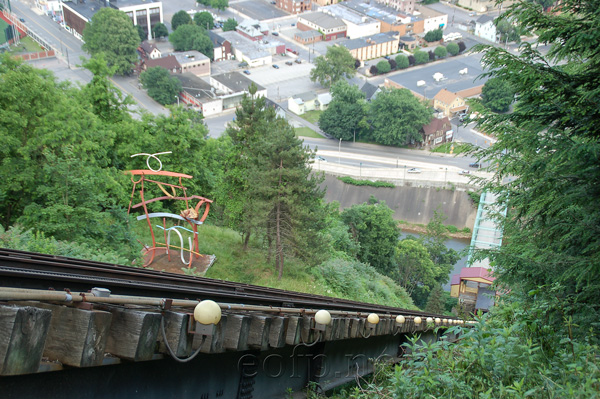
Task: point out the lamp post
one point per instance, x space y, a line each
340 151
177 97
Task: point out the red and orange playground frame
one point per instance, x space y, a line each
191 214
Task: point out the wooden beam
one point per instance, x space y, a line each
77 337
176 330
23 332
236 333
133 334
277 333
293 331
354 326
258 336
213 343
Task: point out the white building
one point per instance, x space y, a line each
358 25
432 19
485 28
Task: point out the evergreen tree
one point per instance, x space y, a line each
435 301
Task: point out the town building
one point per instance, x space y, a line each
199 95
357 24
232 86
329 27
438 131
252 29
432 19
193 62
77 13
254 53
406 6
367 48
148 50
485 28
295 6
389 18
448 103
169 63
310 101
222 46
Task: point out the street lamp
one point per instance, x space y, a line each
340 151
177 97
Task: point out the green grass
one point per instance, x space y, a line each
458 148
307 132
312 116
26 45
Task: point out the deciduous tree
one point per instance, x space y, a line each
230 24
396 117
453 48
192 37
112 33
402 61
434 35
372 226
180 18
161 86
337 63
383 67
204 20
345 117
160 30
421 57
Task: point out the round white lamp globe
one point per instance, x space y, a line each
323 317
207 312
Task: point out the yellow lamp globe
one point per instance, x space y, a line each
429 320
417 320
373 318
438 320
323 317
207 312
400 319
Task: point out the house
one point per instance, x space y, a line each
148 50
142 13
232 87
484 5
222 46
295 6
408 43
199 94
390 19
437 131
448 103
432 19
329 27
370 91
307 37
194 62
169 63
485 28
472 287
301 103
375 46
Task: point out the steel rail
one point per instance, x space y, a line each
32 270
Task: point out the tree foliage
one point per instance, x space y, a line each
441 52
396 117
268 190
415 267
204 20
337 63
192 37
421 57
453 48
461 46
230 24
346 115
383 67
141 33
497 95
434 35
160 30
402 61
547 167
161 86
112 33
180 18
373 228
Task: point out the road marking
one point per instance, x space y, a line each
45 30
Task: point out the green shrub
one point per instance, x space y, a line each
475 197
452 228
354 182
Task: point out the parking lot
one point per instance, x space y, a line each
259 10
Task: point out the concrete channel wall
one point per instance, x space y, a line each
413 202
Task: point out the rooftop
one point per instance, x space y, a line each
183 57
365 41
380 12
90 7
235 81
323 20
195 86
436 125
445 96
251 49
348 14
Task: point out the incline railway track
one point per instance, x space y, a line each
21 269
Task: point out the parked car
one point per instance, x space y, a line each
243 64
22 20
414 170
475 165
289 63
298 61
275 33
387 57
464 172
275 66
247 72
